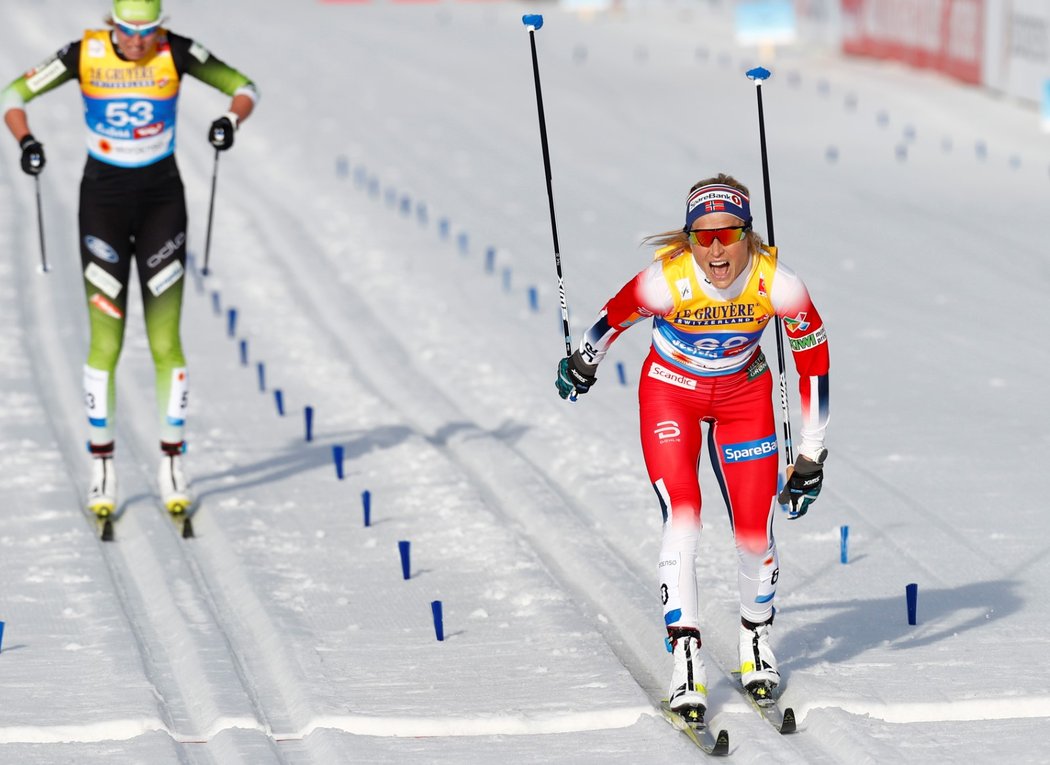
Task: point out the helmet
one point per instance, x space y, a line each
136 11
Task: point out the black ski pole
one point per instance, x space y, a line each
534 21
211 212
40 226
758 76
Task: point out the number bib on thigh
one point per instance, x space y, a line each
129 106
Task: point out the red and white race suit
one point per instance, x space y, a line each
706 365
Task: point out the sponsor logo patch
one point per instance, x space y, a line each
102 303
199 52
167 250
667 429
685 288
758 366
798 324
167 277
669 376
701 197
750 450
43 77
809 341
103 280
100 249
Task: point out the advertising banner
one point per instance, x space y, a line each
945 35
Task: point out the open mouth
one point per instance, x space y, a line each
719 268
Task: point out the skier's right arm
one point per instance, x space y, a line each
57 70
645 296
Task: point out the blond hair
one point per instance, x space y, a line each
671 244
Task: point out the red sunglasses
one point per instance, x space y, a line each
705 237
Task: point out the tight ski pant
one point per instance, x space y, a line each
743 449
133 215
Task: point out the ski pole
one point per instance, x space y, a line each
532 22
40 226
759 75
211 211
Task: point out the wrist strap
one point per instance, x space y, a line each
26 140
232 118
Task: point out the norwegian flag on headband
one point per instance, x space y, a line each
716 197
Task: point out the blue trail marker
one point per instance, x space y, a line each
231 322
308 413
216 304
406 567
439 626
278 398
464 242
490 260
621 372
506 278
244 353
844 544
337 458
260 368
534 299
443 228
366 504
911 592
2 636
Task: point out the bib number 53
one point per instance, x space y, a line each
133 113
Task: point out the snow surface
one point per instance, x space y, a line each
393 148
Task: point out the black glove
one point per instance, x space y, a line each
803 484
220 135
574 376
33 160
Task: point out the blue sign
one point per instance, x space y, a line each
765 22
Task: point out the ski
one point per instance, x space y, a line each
764 699
104 516
182 517
698 732
104 527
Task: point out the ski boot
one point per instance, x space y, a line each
172 482
688 692
102 491
758 666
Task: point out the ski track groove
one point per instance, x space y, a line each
47 355
467 452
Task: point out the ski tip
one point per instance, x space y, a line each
759 74
721 744
532 21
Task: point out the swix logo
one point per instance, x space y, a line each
667 429
148 131
798 324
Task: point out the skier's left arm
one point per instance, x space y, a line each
197 61
808 340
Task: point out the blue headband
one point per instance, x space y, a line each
716 198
